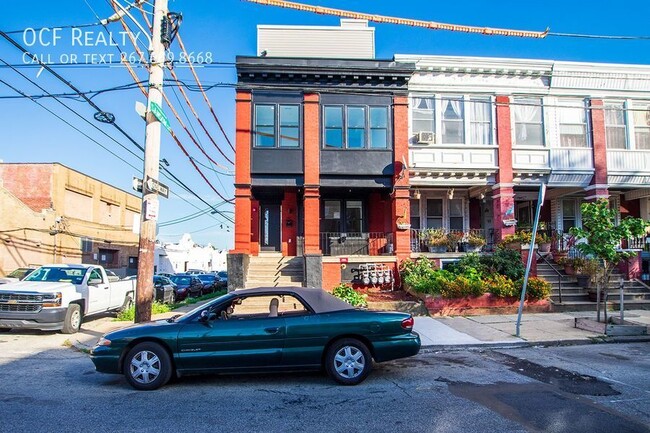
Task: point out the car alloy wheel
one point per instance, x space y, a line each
348 361
147 366
144 367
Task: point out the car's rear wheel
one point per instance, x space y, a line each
147 366
348 361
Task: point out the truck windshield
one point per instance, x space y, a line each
55 274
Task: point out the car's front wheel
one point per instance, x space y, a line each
348 361
147 366
72 321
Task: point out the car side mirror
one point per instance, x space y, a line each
94 281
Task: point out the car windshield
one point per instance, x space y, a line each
206 277
20 273
56 274
181 280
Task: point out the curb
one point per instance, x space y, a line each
523 344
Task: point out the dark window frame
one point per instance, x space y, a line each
277 126
367 127
343 207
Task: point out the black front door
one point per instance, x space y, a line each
270 227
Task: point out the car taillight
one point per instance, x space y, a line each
408 323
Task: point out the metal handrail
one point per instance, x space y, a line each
559 275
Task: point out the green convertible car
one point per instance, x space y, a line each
262 329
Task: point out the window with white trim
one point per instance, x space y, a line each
456 214
641 118
573 124
480 121
453 120
529 122
569 214
423 115
434 213
615 127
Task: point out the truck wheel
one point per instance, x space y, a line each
128 303
72 321
147 366
348 361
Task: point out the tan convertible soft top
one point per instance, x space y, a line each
318 299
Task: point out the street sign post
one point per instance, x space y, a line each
157 187
158 112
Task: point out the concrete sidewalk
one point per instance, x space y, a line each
448 332
499 330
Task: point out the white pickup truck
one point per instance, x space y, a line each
58 297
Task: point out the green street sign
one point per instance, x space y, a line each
157 111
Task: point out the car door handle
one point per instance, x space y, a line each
271 330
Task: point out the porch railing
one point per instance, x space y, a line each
348 244
639 243
457 240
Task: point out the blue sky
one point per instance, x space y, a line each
227 28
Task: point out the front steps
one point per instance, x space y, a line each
576 298
274 270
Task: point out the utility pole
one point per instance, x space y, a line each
144 288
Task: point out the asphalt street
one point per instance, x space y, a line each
46 387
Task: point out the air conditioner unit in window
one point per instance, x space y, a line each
426 137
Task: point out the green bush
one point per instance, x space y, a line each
500 285
503 261
128 315
349 295
536 289
462 286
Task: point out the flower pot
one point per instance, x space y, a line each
583 280
558 256
437 249
545 247
513 246
569 270
403 226
473 248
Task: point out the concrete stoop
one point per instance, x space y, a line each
274 270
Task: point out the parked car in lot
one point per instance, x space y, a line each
163 289
223 279
263 329
186 285
210 282
17 275
60 296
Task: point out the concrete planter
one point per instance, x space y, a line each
545 247
437 249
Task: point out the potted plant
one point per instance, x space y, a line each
512 241
474 242
453 240
435 239
543 242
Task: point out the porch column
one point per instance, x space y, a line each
400 205
242 173
598 187
503 197
311 127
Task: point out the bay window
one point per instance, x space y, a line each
641 117
573 124
453 123
529 124
615 127
434 213
277 125
356 127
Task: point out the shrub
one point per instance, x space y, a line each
128 315
537 288
462 286
349 295
504 261
500 285
468 263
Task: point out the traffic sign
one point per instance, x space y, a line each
156 186
157 111
137 184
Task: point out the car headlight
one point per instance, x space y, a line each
104 342
52 299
